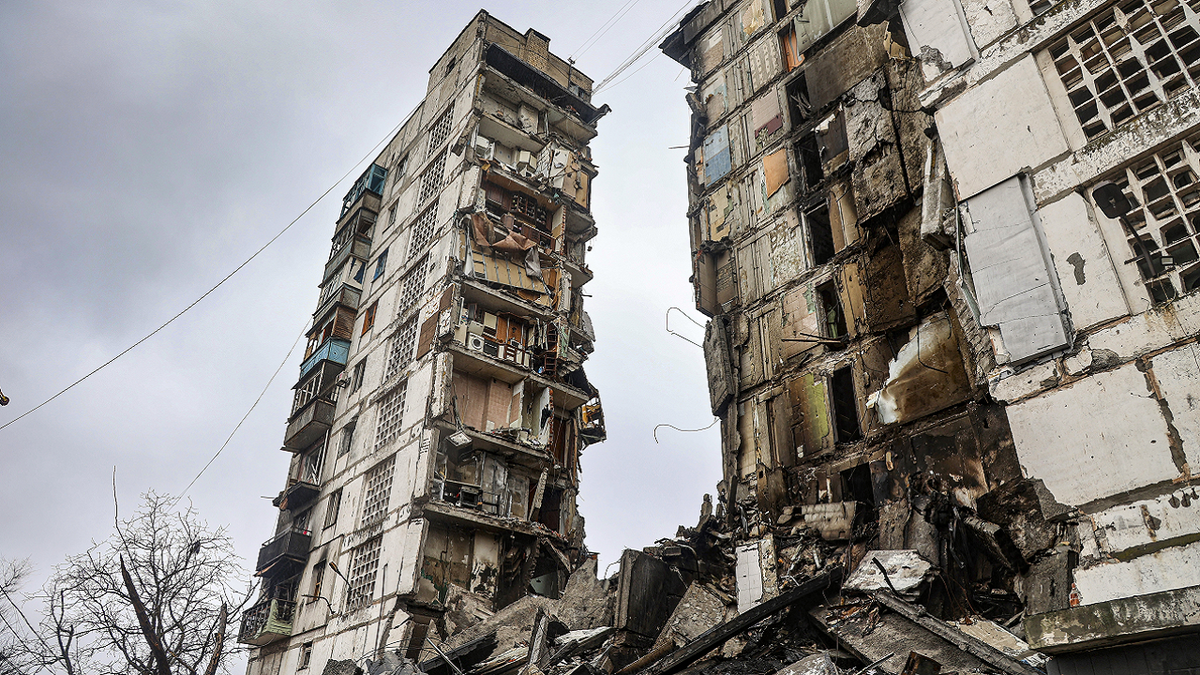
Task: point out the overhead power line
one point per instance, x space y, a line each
254 405
644 47
220 283
604 28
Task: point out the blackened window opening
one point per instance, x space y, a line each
845 407
799 104
810 161
833 320
821 231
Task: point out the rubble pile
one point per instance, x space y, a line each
735 595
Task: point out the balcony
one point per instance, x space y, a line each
286 550
298 495
369 184
358 245
267 622
334 350
311 422
343 294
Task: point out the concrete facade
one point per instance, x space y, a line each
442 406
920 313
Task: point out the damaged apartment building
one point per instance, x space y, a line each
442 406
949 252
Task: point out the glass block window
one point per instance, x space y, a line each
440 131
378 482
1128 59
431 180
422 230
364 564
1163 229
401 352
391 413
413 284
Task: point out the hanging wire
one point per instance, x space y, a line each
667 318
672 426
243 420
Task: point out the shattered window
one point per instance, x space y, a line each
1127 60
422 231
363 567
391 413
402 348
378 482
347 437
333 506
431 180
1163 227
440 131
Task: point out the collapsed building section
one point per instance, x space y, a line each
442 406
948 257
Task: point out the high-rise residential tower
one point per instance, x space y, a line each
442 407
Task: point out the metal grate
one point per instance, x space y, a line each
431 180
440 131
1165 220
422 231
1129 59
413 284
391 412
363 566
402 348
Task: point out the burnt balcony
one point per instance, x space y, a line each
288 549
267 622
297 495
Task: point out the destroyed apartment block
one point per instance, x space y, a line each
949 252
442 405
949 255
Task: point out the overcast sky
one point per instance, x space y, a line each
148 148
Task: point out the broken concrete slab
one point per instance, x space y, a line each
902 571
1115 622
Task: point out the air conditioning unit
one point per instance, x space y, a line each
491 349
475 342
483 148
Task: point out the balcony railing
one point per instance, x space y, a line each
267 622
289 546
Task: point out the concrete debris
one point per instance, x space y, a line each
900 571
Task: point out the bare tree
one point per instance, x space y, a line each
16 658
154 598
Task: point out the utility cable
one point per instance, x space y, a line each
643 48
254 405
612 21
220 283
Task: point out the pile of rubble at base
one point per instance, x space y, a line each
702 604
